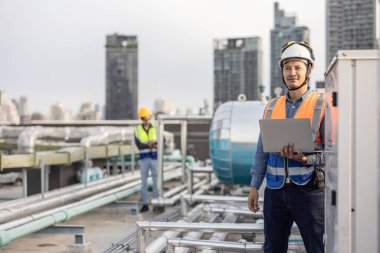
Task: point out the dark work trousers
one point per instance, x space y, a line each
302 204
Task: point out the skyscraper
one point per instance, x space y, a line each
121 77
350 24
285 29
24 110
237 69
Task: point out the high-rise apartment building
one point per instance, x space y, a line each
24 110
121 77
237 69
285 29
350 24
59 111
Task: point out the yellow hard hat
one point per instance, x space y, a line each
144 112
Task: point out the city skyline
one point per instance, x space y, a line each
58 55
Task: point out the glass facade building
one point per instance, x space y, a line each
237 69
350 24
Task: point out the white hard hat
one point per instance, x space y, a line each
296 50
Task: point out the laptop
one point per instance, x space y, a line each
275 133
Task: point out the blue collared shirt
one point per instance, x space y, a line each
259 166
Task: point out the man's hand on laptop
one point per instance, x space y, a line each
288 151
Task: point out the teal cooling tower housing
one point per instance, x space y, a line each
233 139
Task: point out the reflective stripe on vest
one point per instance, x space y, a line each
144 138
313 108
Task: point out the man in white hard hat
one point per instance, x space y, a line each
295 180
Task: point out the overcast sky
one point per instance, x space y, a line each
53 50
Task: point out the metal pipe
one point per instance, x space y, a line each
206 187
160 156
24 182
211 198
6 236
194 235
122 161
28 137
174 199
11 131
33 204
42 171
58 193
106 136
107 158
184 227
197 169
184 206
204 227
258 215
184 148
140 239
47 172
190 119
133 147
184 201
119 191
174 191
221 236
85 122
222 246
190 182
86 165
160 243
192 170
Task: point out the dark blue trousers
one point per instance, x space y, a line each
303 205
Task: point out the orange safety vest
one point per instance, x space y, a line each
307 109
313 108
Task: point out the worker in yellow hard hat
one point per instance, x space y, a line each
146 141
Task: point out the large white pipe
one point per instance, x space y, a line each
108 136
11 131
97 135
